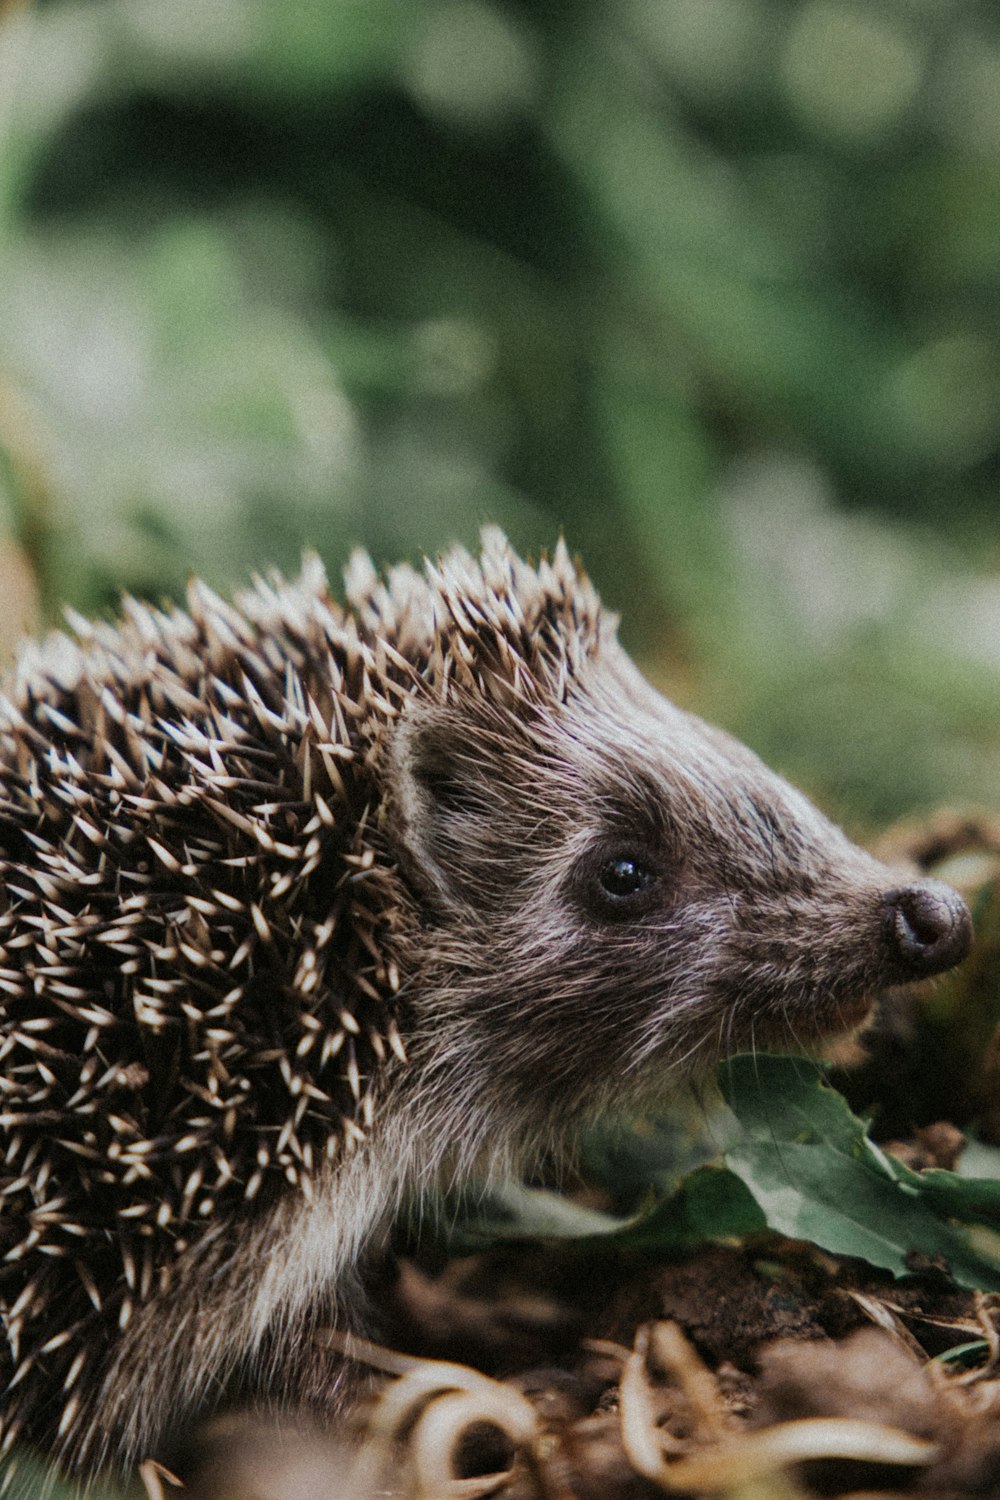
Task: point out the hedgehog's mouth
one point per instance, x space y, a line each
850 1013
820 1018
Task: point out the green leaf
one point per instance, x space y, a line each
801 1165
978 1160
711 1204
816 1175
512 1211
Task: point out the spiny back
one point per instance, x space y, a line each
197 981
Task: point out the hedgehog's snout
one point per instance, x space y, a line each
927 929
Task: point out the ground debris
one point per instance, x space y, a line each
667 1425
842 1392
762 1364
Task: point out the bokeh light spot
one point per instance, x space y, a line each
471 65
849 74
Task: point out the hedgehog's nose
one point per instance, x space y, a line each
927 928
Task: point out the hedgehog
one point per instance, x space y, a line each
309 910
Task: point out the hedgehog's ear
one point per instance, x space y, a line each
440 804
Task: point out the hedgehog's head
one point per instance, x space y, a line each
609 887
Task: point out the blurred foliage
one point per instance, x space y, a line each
712 285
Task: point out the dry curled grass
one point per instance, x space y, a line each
665 1423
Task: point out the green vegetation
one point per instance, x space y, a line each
790 1158
712 285
814 1174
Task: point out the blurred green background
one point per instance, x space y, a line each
711 285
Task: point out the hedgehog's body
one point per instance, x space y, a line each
300 905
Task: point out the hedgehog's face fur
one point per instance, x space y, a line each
613 892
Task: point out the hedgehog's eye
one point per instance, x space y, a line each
617 881
619 885
624 877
